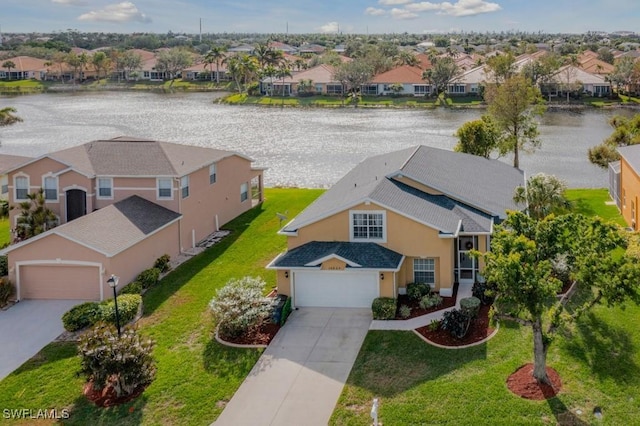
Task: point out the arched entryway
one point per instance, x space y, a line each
76 204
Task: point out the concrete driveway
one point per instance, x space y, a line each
27 327
299 377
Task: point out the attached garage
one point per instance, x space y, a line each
342 289
59 282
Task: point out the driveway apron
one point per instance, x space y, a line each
27 327
299 377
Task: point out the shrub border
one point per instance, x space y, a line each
470 345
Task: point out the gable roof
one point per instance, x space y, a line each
575 74
8 162
475 190
24 63
114 228
129 156
355 255
322 73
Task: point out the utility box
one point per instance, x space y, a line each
276 306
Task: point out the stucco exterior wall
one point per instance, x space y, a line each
629 193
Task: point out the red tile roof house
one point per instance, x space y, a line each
410 78
122 203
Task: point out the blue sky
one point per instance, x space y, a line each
307 16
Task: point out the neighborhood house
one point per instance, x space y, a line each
408 216
121 203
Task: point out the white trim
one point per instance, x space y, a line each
58 262
51 176
182 187
340 272
171 188
318 262
75 186
373 240
111 187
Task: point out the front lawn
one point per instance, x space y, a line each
196 376
593 202
5 234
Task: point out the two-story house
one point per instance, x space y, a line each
412 215
121 204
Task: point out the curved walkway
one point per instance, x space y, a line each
421 321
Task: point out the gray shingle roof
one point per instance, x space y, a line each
118 226
128 156
475 189
367 255
631 154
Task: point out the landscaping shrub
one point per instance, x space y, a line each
124 363
239 306
470 305
483 291
384 308
6 291
134 287
456 322
162 263
128 305
286 311
4 268
434 325
148 277
405 311
430 300
416 291
81 316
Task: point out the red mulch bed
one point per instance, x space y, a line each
261 335
565 288
523 384
478 330
416 310
106 397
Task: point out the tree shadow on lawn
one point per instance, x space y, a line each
84 412
608 350
225 361
582 207
53 352
563 415
390 363
170 284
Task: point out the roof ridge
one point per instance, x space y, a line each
410 157
167 157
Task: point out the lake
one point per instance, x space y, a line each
301 147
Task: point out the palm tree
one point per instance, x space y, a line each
543 194
48 64
299 64
283 72
263 53
405 57
269 71
35 217
9 65
83 60
7 117
242 68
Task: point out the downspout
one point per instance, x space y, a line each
177 180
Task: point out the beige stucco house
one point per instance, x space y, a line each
121 204
407 216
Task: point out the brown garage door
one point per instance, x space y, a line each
59 282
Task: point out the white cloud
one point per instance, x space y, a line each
469 7
403 14
393 2
329 27
374 12
460 8
71 2
120 12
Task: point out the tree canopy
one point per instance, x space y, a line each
478 137
527 263
543 194
626 131
444 70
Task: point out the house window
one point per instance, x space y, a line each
421 89
212 173
244 192
105 188
319 88
4 181
51 188
184 186
334 89
424 271
164 188
367 226
369 89
22 187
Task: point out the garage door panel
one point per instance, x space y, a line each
335 289
59 282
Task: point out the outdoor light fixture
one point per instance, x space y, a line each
286 274
382 275
113 283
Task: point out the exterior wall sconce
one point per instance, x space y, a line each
286 274
382 275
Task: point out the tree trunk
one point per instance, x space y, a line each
217 73
539 354
516 158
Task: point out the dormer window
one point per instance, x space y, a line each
368 226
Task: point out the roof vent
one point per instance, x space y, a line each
355 185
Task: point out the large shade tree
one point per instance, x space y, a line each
444 71
513 106
523 266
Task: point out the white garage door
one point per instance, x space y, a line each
340 289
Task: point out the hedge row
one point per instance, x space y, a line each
89 313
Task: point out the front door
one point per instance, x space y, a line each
466 262
76 204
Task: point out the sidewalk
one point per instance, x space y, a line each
413 323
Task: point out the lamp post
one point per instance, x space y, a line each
113 283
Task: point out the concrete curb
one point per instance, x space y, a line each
470 345
236 345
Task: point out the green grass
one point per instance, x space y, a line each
22 86
592 202
5 232
196 375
